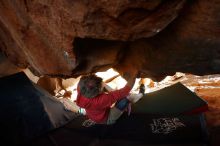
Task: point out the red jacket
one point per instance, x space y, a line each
97 108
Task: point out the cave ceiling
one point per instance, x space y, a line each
68 38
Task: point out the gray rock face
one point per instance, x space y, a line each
68 38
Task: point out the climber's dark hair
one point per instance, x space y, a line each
90 85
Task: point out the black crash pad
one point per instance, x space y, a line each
139 129
27 111
174 99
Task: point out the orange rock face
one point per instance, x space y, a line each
64 38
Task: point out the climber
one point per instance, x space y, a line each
99 104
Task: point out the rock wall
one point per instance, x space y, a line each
66 38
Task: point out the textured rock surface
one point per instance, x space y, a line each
67 38
6 67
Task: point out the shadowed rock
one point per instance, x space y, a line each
65 38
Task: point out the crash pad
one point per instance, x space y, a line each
28 111
174 99
139 129
160 129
